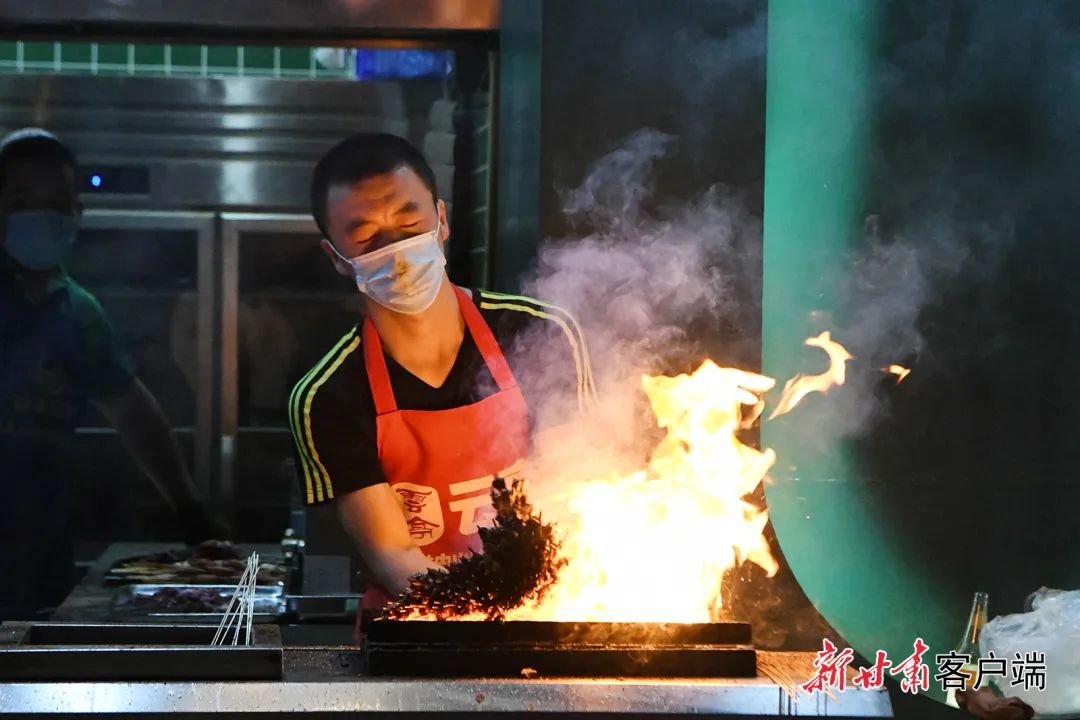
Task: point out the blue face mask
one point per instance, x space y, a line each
39 239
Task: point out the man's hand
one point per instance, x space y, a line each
374 520
983 703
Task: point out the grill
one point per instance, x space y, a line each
461 649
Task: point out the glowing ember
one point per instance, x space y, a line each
800 386
899 371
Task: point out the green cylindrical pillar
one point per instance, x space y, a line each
819 131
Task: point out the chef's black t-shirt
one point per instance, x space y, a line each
332 412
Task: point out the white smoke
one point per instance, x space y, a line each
637 283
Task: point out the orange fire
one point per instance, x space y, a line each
672 530
800 386
899 371
654 545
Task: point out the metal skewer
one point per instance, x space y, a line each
239 615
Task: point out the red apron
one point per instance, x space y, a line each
441 463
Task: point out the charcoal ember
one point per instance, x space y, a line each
519 562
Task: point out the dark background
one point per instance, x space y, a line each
977 142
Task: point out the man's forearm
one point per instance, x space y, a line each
374 520
393 568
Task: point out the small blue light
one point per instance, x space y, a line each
95 180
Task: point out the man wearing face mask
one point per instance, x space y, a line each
407 420
57 353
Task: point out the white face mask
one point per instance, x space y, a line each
404 276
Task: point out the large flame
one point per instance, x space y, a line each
653 546
672 530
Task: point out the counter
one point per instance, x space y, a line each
725 698
326 679
322 674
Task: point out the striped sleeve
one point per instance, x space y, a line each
329 453
570 329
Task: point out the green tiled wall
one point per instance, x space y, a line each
163 60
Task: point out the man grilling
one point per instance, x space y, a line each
57 353
410 417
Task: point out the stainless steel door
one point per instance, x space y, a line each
283 307
153 273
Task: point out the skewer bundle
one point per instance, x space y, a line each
239 616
